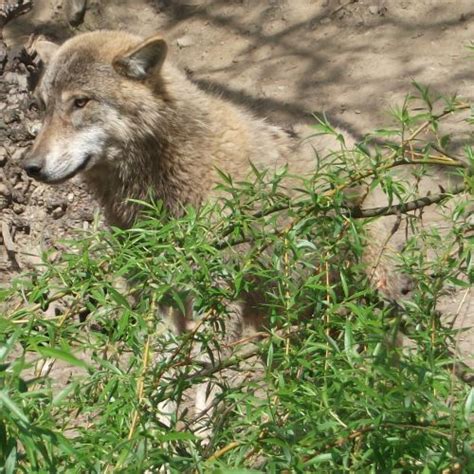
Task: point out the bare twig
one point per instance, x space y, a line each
223 450
419 203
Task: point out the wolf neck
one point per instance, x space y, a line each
151 169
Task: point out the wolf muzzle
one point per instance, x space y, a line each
33 167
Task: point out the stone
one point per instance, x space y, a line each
18 134
55 202
10 116
5 191
184 42
33 128
4 203
22 81
22 224
3 55
58 212
18 208
19 192
3 156
18 155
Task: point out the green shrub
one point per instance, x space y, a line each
337 393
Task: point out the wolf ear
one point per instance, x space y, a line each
42 47
144 59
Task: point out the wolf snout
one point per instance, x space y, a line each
33 168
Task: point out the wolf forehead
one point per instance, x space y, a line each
84 58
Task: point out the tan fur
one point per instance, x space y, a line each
167 135
150 132
158 134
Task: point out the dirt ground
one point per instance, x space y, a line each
285 59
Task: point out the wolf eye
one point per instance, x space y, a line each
80 102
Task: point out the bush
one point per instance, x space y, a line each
85 363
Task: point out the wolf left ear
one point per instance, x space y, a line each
143 60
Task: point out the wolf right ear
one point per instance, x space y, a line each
42 47
142 60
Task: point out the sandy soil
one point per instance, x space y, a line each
352 60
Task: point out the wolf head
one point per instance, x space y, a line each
96 93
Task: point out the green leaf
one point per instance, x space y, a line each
176 436
11 405
468 405
62 394
10 463
118 297
320 458
61 355
349 344
6 348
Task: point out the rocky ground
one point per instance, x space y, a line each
285 59
31 213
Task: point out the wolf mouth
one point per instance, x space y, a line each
72 173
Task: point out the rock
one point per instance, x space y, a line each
75 11
5 191
33 128
16 79
9 77
86 214
58 212
54 203
18 134
18 155
20 191
18 208
184 42
70 197
3 55
10 116
22 224
377 10
3 156
22 81
13 9
4 203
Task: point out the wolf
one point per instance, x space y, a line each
126 119
121 115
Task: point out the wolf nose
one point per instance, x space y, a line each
32 170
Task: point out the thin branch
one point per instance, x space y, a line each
223 450
358 213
